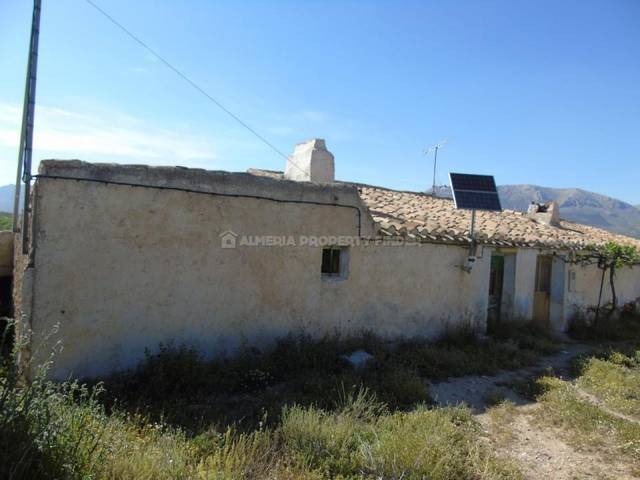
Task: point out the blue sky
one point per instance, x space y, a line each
543 92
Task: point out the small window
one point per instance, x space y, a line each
334 262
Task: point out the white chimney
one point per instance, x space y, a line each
547 213
311 162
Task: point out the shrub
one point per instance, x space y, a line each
47 430
179 386
494 397
435 444
60 431
514 347
6 221
360 441
239 455
529 388
615 326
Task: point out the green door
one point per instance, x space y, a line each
496 277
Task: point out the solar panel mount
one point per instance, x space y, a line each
475 192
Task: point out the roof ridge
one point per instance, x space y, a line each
434 218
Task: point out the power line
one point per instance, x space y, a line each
189 81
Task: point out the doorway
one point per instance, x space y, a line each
542 293
496 283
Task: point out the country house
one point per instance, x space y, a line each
124 257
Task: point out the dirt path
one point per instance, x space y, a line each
473 390
592 399
539 450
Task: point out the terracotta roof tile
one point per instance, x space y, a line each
438 220
433 219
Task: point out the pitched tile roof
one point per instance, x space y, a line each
421 217
428 218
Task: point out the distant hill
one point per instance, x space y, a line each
578 206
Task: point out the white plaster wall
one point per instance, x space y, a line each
121 269
583 293
567 296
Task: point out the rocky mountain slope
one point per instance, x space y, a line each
578 206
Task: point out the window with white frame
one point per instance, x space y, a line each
335 262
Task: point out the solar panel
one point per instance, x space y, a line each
475 192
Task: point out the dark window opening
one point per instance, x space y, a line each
331 261
334 262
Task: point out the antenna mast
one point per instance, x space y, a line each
26 133
435 148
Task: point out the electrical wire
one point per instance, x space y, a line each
191 82
214 194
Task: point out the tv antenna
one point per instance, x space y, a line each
427 152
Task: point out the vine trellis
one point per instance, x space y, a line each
610 257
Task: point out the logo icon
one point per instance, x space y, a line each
228 239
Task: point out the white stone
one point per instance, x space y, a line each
358 359
311 162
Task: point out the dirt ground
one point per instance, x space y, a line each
539 450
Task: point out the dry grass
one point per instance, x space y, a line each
615 380
178 385
600 422
502 415
360 439
340 428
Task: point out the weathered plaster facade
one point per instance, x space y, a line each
582 287
129 267
127 257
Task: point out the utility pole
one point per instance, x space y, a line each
26 133
435 148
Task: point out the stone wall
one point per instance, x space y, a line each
122 268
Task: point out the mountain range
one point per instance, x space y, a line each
575 204
578 206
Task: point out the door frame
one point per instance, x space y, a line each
496 290
542 290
